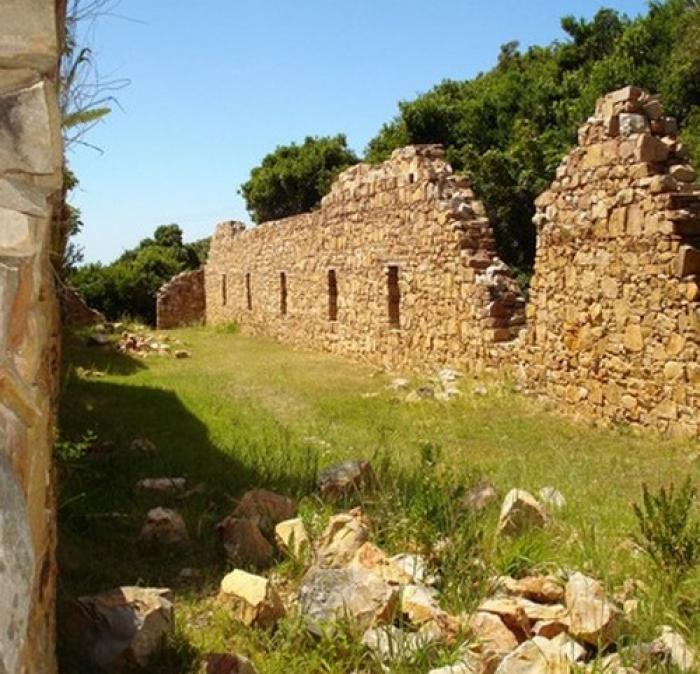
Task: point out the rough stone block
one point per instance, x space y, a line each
29 36
650 149
688 261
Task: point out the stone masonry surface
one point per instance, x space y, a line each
614 311
181 301
397 267
31 159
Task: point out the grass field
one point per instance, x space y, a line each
246 412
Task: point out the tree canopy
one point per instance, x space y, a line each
293 178
128 286
508 128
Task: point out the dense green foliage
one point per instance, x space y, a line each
509 128
128 286
293 178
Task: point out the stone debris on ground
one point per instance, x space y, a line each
521 511
349 477
479 496
162 485
164 526
551 498
121 628
251 599
245 544
227 663
265 508
341 539
291 537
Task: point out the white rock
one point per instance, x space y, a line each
677 649
593 618
291 537
552 498
252 599
521 511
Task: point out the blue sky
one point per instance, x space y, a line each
216 84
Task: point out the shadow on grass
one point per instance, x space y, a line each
78 352
101 512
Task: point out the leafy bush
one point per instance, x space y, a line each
293 178
669 530
508 128
128 286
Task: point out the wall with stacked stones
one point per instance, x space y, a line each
397 267
30 189
614 311
75 310
181 301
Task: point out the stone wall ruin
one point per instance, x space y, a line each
398 267
614 312
31 160
181 301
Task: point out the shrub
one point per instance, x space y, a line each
669 531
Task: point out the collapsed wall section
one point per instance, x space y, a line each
397 267
614 312
181 301
30 190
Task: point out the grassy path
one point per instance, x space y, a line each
246 412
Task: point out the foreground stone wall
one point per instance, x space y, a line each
75 310
30 189
181 301
614 315
397 267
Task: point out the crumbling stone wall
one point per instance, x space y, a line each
397 267
30 187
614 312
75 310
181 301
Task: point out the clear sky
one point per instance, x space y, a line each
216 84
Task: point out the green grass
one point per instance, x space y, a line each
246 412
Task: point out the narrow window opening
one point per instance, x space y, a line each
283 294
411 178
223 290
394 296
332 296
248 294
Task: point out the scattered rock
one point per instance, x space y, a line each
552 498
291 537
413 568
421 393
493 638
480 496
244 543
542 589
225 663
124 627
398 383
348 477
448 376
98 339
419 604
521 511
480 390
143 445
675 649
537 656
265 508
328 595
162 485
181 353
593 618
253 599
164 526
341 539
390 643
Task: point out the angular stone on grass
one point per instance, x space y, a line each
413 567
675 649
265 508
227 663
492 637
348 477
593 618
245 544
181 354
252 599
291 537
537 656
123 627
419 604
390 643
520 512
341 539
162 485
164 526
542 589
329 595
